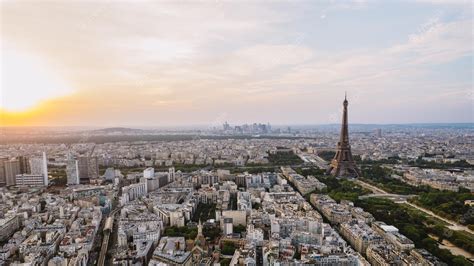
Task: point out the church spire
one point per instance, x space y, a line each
199 228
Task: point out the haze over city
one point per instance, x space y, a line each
103 63
236 133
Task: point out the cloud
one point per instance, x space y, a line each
446 2
437 43
153 61
155 50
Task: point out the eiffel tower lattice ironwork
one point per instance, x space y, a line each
343 164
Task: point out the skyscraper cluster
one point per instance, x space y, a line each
81 169
24 171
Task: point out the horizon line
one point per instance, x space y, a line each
233 124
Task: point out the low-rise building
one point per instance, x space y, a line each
171 251
8 226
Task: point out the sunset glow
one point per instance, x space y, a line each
27 81
164 63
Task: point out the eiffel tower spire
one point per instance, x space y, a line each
343 164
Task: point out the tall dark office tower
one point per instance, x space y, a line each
3 178
12 168
93 167
343 164
25 167
88 168
83 167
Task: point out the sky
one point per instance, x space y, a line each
165 63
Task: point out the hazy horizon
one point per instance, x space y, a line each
215 126
172 64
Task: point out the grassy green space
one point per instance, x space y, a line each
306 171
174 231
419 162
461 239
327 155
204 212
426 164
415 226
390 160
338 189
239 228
228 248
380 177
224 262
342 189
284 158
212 233
448 204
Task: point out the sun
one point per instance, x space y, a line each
26 81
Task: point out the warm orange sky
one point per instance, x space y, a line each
128 63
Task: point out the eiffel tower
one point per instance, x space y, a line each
343 164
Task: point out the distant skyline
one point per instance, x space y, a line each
159 64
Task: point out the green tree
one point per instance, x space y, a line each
228 248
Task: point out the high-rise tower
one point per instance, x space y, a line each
72 170
343 164
39 166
